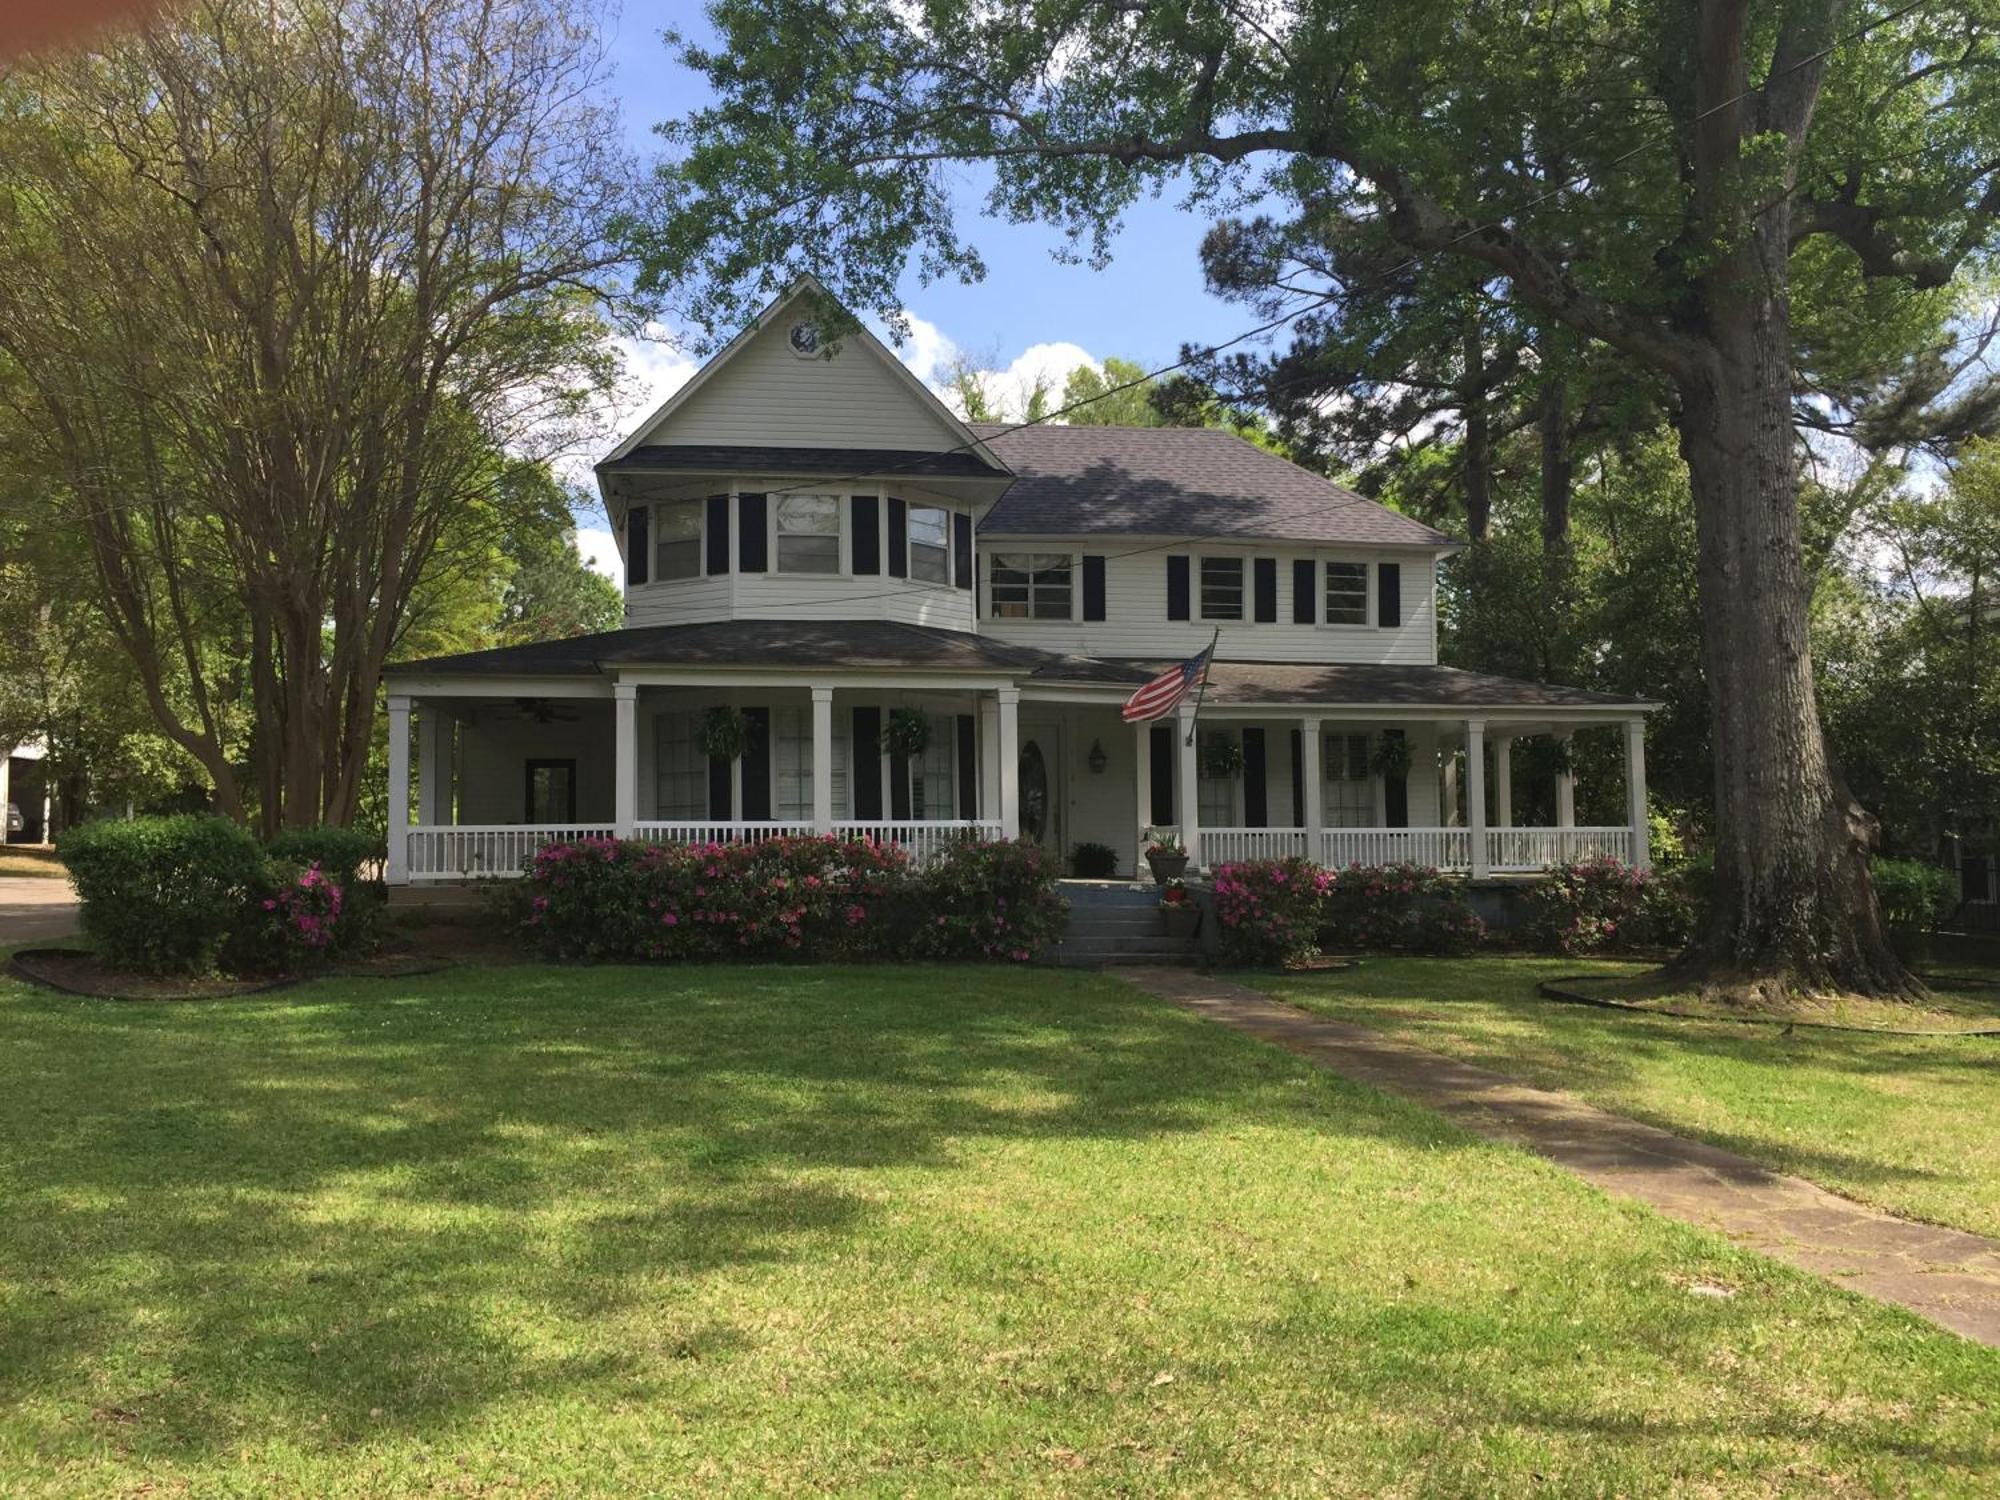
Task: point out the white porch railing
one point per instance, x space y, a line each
717 833
1221 846
1440 848
1544 848
923 841
486 851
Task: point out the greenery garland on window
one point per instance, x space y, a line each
1391 756
1221 756
724 733
906 733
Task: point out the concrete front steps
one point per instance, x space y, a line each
1116 922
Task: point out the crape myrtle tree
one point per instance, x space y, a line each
291 294
1645 175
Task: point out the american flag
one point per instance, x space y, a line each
1163 694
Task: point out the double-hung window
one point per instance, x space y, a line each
1222 588
1349 783
809 534
1032 586
680 770
1346 593
930 544
677 540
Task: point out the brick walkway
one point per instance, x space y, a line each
1945 1275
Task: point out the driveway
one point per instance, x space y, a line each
34 909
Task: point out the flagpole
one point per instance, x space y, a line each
1201 691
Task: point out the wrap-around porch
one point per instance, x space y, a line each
499 769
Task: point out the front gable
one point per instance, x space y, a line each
759 391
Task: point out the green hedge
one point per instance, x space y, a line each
339 852
164 895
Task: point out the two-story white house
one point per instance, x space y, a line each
816 540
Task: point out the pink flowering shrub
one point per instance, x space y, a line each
605 900
292 925
1269 911
1407 906
1592 905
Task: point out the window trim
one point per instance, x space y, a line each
843 565
653 509
536 763
1243 602
992 560
910 544
1368 607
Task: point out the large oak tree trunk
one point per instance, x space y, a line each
1794 908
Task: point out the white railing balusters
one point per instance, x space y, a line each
1439 848
1545 848
1221 846
922 841
486 851
718 833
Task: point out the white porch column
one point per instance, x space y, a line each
6 768
434 728
1009 702
989 759
1142 789
1187 795
1308 772
1475 795
1566 786
1503 781
398 868
625 762
822 699
1635 792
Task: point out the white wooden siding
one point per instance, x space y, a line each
1135 607
769 396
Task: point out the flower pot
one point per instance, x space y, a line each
1180 920
1166 865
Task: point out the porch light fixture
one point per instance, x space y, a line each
1097 759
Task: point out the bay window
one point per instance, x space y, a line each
809 534
676 541
1032 586
930 544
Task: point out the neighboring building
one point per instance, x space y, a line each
821 543
27 796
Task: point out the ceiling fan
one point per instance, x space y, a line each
546 711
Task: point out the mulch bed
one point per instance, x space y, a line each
74 971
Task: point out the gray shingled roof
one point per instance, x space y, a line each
759 643
1304 682
1177 481
738 458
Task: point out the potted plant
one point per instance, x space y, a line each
1179 913
724 732
906 733
1166 855
1390 757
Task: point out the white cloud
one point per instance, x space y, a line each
930 354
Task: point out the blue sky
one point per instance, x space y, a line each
1143 307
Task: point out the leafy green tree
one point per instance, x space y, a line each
1116 394
1647 177
290 294
555 593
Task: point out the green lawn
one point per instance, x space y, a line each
1909 1123
896 1231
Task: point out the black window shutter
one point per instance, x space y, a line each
899 539
865 516
1256 805
1163 775
899 787
1177 588
1389 594
1265 572
1395 793
638 543
1299 783
753 527
1093 588
1305 597
717 545
961 550
718 789
968 769
757 767
866 771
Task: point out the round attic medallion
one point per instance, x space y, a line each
805 339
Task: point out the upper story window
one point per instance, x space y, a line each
1032 586
677 541
809 534
1222 588
1346 593
930 544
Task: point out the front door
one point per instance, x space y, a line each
1041 784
